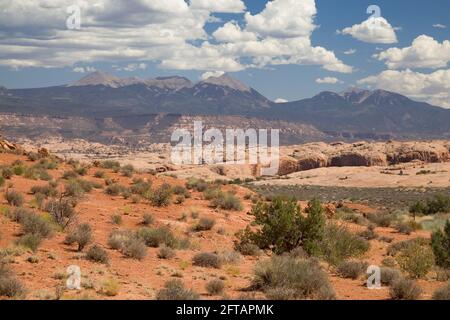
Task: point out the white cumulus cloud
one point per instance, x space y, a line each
211 74
171 33
373 30
327 80
223 6
425 52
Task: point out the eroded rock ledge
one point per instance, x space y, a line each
362 154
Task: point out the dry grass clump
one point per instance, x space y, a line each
405 289
215 287
30 241
389 275
155 237
14 198
352 269
148 219
382 219
287 278
174 290
128 243
161 197
10 286
204 224
442 293
134 248
227 201
166 253
97 254
207 260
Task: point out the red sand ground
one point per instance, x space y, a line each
141 279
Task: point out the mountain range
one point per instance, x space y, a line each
354 112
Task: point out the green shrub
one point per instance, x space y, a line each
181 191
97 254
284 277
442 293
439 204
215 287
2 181
73 189
284 228
440 243
248 249
383 220
389 275
127 170
405 289
155 237
34 173
81 170
338 244
109 164
7 172
199 185
114 189
352 269
204 224
117 239
349 215
48 190
68 175
166 253
227 201
161 197
397 247
82 236
100 174
30 241
207 260
19 170
14 198
416 260
141 187
211 193
35 225
174 290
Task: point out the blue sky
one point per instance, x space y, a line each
46 65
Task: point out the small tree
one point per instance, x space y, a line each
82 236
284 227
440 243
62 210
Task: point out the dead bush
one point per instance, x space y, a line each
82 236
405 289
174 290
207 260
